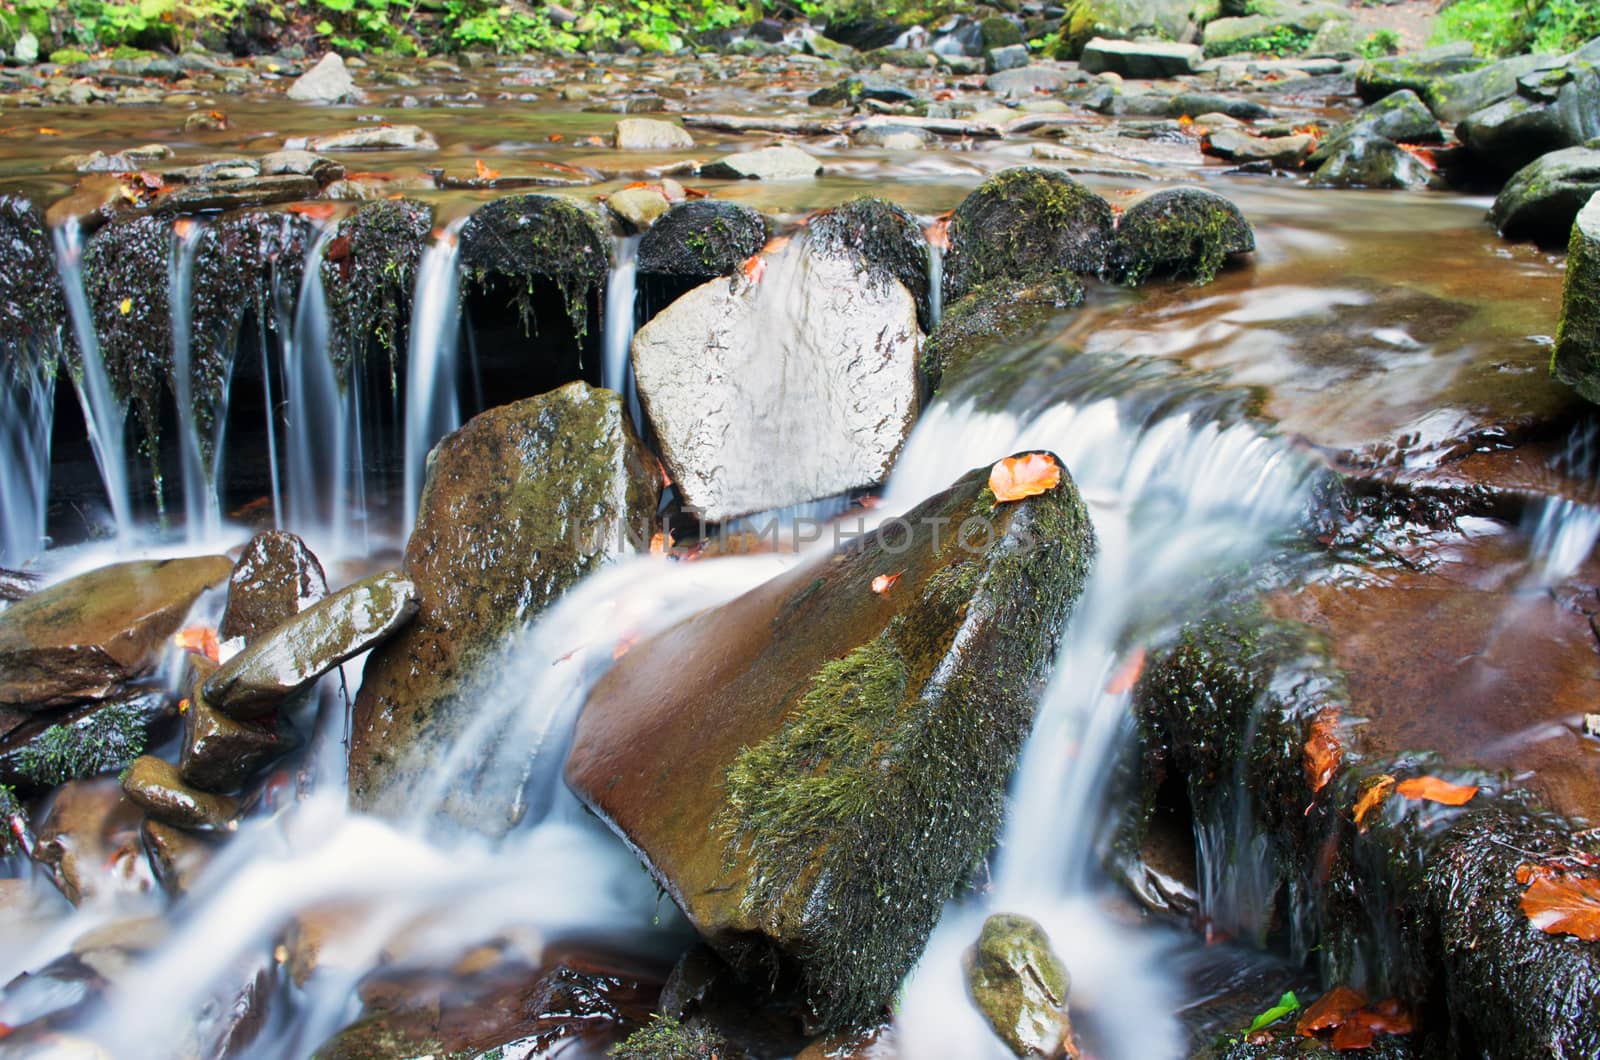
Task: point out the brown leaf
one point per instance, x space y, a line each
1354 1034
1435 790
1027 475
1330 1010
1564 905
1387 1017
884 582
1377 792
1323 749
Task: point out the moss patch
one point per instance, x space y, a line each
1186 232
32 309
525 238
702 239
370 274
10 809
103 742
664 1038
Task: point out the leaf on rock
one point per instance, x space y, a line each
1559 904
1287 1004
1330 1010
1323 749
884 582
1435 790
202 640
315 211
1027 475
1375 795
1127 674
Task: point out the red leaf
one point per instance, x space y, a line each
884 582
1330 1010
1435 790
1323 750
1564 905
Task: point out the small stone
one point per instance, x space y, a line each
154 784
1020 985
638 208
220 753
650 134
326 82
893 137
783 162
1367 161
26 50
856 89
1027 81
378 138
276 577
301 164
1011 57
1237 145
176 856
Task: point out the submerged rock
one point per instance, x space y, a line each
701 239
1019 985
783 162
295 653
521 237
220 753
83 742
1366 161
81 637
518 505
176 856
154 784
991 319
1186 232
326 82
1026 224
89 827
884 238
276 576
1577 353
1542 199
813 769
376 138
796 387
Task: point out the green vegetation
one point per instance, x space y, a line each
1383 42
1509 27
9 808
667 1039
1280 40
108 739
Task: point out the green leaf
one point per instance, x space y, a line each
1287 1004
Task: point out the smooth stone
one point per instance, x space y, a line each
1236 145
1400 116
220 753
1157 20
377 138
856 89
638 208
176 856
1020 985
81 637
1542 199
650 134
82 834
815 410
1366 161
1027 81
1453 98
1011 57
783 162
218 169
1577 355
1140 59
239 194
1194 103
154 784
277 576
293 655
1417 71
301 164
1510 134
326 82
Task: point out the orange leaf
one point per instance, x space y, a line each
182 227
1527 872
316 211
1323 749
45 130
202 640
554 138
1027 475
660 543
1372 798
1435 790
672 190
1354 1034
485 173
1564 905
938 234
1387 1016
1421 154
884 582
754 267
623 645
1330 1010
1184 120
1127 675
183 706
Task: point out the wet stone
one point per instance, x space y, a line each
80 637
276 577
295 653
884 238
638 208
91 824
377 138
83 741
1027 82
220 753
1577 356
326 82
1020 985
1367 161
1542 199
1140 59
992 319
649 134
1185 232
766 163
1236 145
154 784
239 194
701 239
176 856
302 164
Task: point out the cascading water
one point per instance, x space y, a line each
433 407
317 446
935 283
27 417
201 505
104 417
621 294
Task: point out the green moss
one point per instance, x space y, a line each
999 32
106 740
701 239
884 238
1186 232
10 809
1576 357
1023 224
664 1038
525 238
69 56
370 282
1280 40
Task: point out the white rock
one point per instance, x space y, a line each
651 134
326 82
783 162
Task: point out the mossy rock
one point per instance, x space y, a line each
518 506
884 238
812 770
370 275
998 31
991 319
1543 198
33 315
1026 223
524 238
83 742
701 239
664 1038
1020 985
1417 72
1576 361
1083 20
1188 233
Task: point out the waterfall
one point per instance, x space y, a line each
621 293
433 408
1563 537
316 437
935 284
27 417
104 417
201 506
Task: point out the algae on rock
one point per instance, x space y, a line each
369 273
522 238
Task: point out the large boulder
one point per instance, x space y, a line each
275 577
1453 98
1417 71
797 386
1542 199
1026 223
518 505
81 637
990 320
812 770
1184 232
884 238
1562 110
1140 59
1577 355
1162 20
326 82
1400 116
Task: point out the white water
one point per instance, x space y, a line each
104 417
1563 537
202 507
433 407
27 417
621 292
935 284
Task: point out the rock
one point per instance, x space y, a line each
767 163
80 637
89 826
214 170
1542 199
1125 20
550 487
276 576
993 318
1336 37
376 138
239 194
1373 162
1195 103
1186 232
1140 59
651 134
83 742
301 164
1400 116
1236 145
1011 57
295 653
1027 82
853 90
521 238
154 784
886 241
1290 27
700 239
1026 223
1510 134
1417 71
893 137
220 753
26 50
1019 985
638 208
812 770
326 82
814 410
1577 356
1453 98
176 857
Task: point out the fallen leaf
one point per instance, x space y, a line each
1127 675
1330 1010
183 706
938 233
660 543
316 211
1184 121
202 640
1377 791
884 582
1564 905
45 130
1323 750
1388 1017
1286 1005
485 173
1421 154
125 306
753 268
554 138
1027 475
183 227
1354 1034
1435 790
